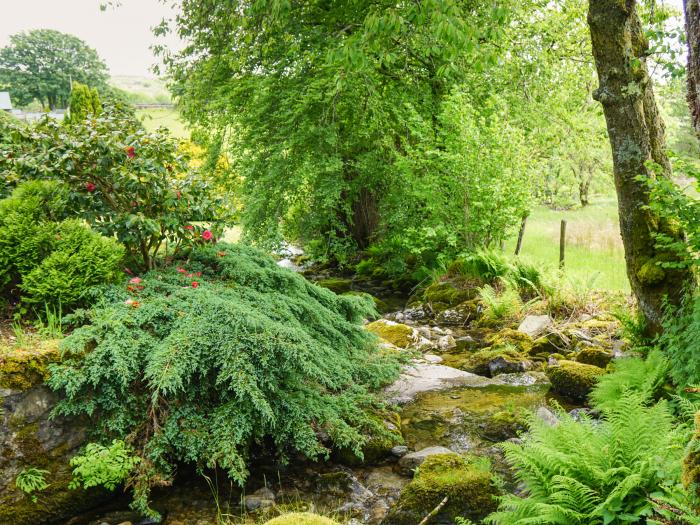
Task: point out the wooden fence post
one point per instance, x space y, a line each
519 244
562 243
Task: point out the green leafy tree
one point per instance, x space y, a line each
41 64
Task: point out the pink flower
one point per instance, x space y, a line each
130 152
195 284
181 270
135 280
90 186
207 235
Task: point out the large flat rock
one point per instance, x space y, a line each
428 377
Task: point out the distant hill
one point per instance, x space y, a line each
142 90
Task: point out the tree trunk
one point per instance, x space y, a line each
692 30
636 134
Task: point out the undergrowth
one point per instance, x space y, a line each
220 357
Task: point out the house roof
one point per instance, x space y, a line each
5 100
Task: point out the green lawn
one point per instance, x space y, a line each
168 118
594 253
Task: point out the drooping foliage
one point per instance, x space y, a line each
225 355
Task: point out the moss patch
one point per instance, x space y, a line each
573 380
594 355
336 284
478 362
650 273
464 480
510 338
301 518
447 294
395 333
23 368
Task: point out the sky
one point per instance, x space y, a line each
122 35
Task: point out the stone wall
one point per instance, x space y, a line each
30 438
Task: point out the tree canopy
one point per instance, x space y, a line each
41 64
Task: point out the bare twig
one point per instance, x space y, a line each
434 512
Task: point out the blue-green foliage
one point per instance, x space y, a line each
49 260
200 363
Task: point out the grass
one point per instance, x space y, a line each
594 252
169 118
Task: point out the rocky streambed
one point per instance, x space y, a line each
467 388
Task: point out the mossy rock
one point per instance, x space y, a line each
464 480
510 338
573 380
301 518
447 294
462 314
380 442
504 424
594 355
338 285
496 360
21 369
380 305
397 334
553 343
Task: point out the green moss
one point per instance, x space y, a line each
509 337
446 293
573 380
505 424
338 285
478 362
395 333
301 518
464 480
594 355
21 369
650 273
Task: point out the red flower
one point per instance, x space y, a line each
189 227
130 152
90 186
207 235
195 284
198 274
181 270
135 280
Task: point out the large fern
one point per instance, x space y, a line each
594 472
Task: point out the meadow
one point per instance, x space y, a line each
594 253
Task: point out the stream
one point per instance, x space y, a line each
440 406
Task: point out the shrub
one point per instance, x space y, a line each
229 351
103 466
595 472
84 103
125 182
46 260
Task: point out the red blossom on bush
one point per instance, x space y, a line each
130 152
135 280
90 186
189 227
181 270
195 284
207 235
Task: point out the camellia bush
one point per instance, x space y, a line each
128 183
220 356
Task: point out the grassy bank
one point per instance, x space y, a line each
169 118
594 253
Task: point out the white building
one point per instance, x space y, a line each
5 103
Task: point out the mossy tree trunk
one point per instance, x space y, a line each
636 133
692 29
